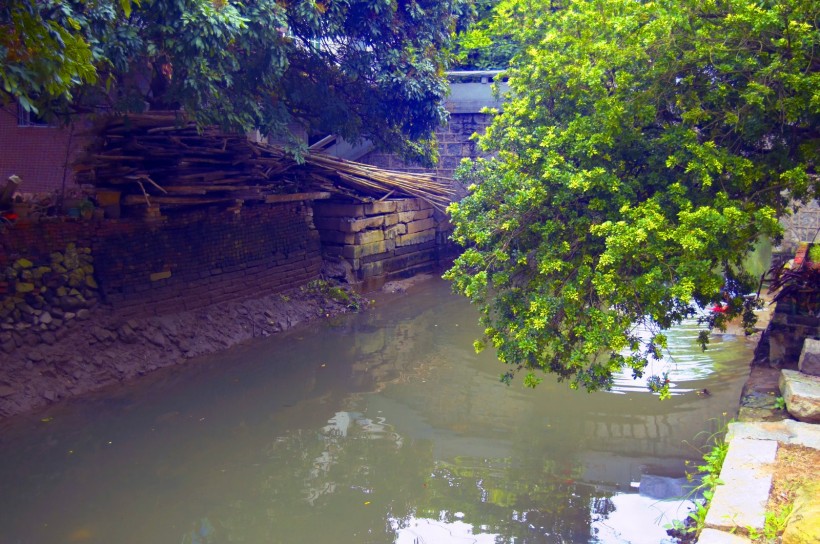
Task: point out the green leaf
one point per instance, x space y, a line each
643 150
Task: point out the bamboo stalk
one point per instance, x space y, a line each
190 160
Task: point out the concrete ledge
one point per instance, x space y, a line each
740 503
786 432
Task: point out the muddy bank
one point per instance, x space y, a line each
105 348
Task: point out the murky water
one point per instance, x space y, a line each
382 427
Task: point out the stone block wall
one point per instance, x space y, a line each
455 142
380 240
787 331
53 273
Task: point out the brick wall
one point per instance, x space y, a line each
187 261
38 154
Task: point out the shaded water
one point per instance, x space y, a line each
381 427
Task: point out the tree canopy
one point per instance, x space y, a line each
486 44
354 68
643 148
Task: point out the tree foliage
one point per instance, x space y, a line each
485 44
42 51
644 148
350 67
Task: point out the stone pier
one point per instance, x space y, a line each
382 240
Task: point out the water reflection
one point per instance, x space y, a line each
419 531
686 363
383 427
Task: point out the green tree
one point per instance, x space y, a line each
643 149
43 53
354 68
475 49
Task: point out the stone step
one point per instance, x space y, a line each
740 502
786 432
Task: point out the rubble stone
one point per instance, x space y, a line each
802 395
809 362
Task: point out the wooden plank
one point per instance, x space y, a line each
137 200
294 197
119 157
210 175
202 189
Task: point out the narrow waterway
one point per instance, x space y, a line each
380 427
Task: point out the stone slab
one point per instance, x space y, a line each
342 224
809 362
379 207
415 215
369 270
802 395
396 230
364 250
390 219
328 209
421 225
415 238
713 536
786 432
369 236
747 479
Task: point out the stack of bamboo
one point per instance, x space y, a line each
161 159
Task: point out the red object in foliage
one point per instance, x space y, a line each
11 216
720 309
800 254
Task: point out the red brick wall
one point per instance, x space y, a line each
188 261
37 154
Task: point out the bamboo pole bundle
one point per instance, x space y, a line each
161 158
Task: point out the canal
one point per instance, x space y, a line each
372 428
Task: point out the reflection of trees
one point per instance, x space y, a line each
520 465
343 482
515 501
332 484
385 348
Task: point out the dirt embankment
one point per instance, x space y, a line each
103 348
